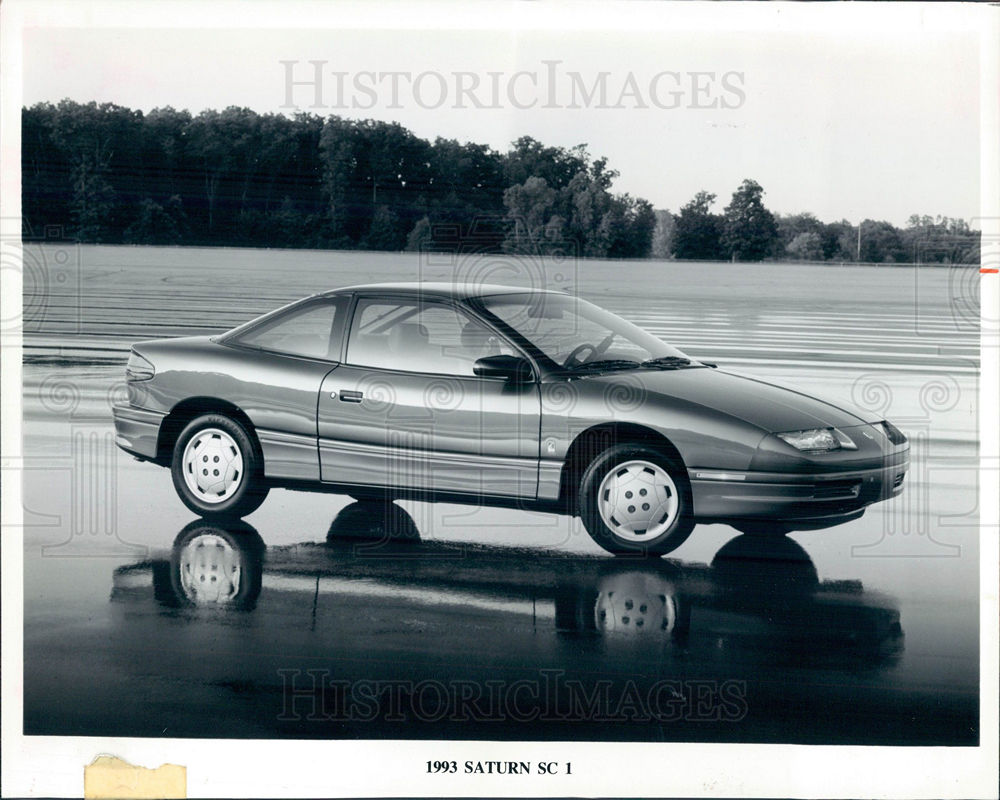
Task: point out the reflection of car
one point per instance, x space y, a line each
496 395
759 600
216 566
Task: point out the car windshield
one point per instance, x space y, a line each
578 335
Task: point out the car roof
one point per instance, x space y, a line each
457 291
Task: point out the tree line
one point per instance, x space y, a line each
747 231
106 173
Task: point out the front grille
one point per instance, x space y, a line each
898 481
836 490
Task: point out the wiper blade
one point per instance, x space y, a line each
666 362
605 363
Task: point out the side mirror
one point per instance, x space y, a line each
513 368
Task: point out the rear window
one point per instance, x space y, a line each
312 330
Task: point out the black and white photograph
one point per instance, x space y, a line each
500 399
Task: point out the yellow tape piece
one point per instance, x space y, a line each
111 778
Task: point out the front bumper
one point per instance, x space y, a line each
137 430
793 497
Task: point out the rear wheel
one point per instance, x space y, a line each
636 499
216 469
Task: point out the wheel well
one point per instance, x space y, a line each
185 411
593 441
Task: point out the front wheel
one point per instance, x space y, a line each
216 468
636 499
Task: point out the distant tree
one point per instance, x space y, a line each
555 230
529 206
582 214
790 226
157 224
806 247
698 231
662 246
214 158
640 221
420 236
838 241
340 147
165 152
45 169
93 202
881 242
749 232
610 235
285 226
529 158
384 232
464 188
98 141
939 240
587 200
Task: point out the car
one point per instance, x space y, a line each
497 395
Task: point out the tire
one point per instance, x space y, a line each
628 472
228 456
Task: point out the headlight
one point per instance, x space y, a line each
892 433
138 368
818 440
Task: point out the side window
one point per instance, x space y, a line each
311 330
419 337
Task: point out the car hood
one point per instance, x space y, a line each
759 403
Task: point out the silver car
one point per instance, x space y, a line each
496 395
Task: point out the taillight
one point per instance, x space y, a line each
138 368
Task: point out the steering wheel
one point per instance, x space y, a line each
574 360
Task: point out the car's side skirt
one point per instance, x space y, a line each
422 495
434 471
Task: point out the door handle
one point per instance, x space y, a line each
348 396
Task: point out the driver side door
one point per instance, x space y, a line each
405 409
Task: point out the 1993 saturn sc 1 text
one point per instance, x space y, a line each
496 395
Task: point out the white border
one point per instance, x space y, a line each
50 766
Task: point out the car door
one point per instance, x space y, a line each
405 410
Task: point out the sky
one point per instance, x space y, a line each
840 120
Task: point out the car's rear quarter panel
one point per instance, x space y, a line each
277 393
